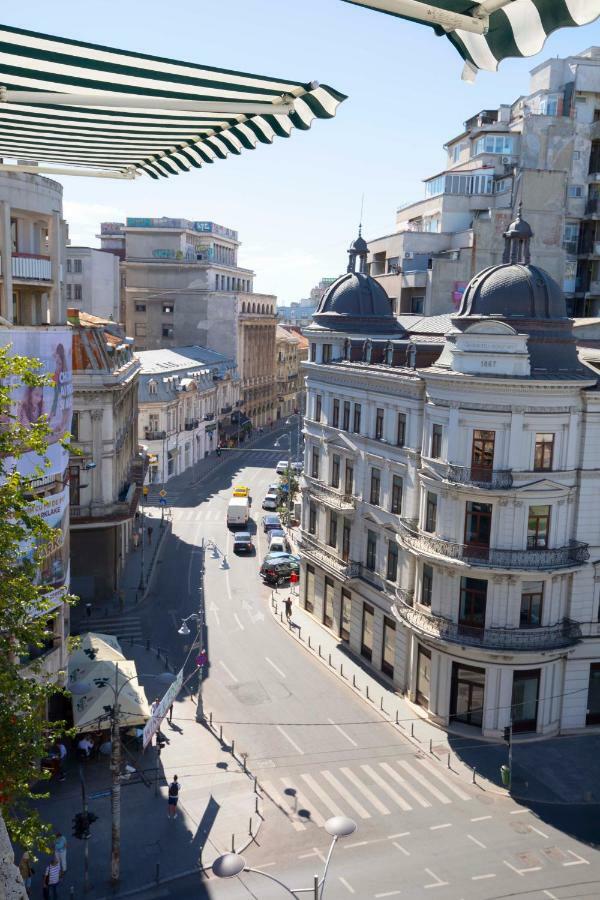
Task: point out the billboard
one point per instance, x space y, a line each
53 570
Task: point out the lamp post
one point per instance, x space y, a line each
142 583
202 659
230 865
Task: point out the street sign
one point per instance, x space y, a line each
163 501
99 794
162 493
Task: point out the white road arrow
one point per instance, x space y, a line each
213 608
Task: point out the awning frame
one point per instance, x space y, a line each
478 23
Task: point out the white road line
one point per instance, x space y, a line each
480 818
323 796
373 800
404 784
386 787
552 896
342 732
265 866
228 671
578 861
387 894
477 841
356 844
432 770
537 831
481 877
438 881
277 669
391 837
520 812
315 815
282 801
289 739
348 887
437 827
237 619
400 848
522 871
423 781
348 797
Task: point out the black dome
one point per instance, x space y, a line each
513 292
356 303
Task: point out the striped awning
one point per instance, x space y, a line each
486 32
63 102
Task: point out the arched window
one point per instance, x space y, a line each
254 307
389 353
347 348
243 307
367 351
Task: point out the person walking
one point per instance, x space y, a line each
173 798
62 754
26 870
135 537
52 878
288 608
170 714
60 849
149 533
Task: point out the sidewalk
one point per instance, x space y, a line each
217 804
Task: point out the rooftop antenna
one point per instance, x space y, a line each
362 206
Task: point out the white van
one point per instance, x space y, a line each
238 512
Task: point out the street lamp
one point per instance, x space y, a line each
230 865
184 631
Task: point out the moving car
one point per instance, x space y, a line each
241 491
270 521
271 501
281 467
238 512
242 542
276 532
277 569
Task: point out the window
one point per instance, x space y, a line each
69 264
318 407
571 237
401 430
482 455
335 415
346 540
167 331
328 603
77 292
69 289
333 522
426 585
473 599
389 646
74 485
168 309
345 616
140 329
152 386
326 353
356 426
436 441
396 506
335 471
77 266
346 422
375 486
430 511
379 424
140 307
366 644
593 701
75 426
423 676
313 352
312 519
349 479
538 525
575 191
153 422
544 452
494 143
309 590
532 594
416 305
478 524
391 572
371 561
314 471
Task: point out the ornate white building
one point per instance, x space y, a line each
450 524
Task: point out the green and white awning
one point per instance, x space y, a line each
487 32
115 112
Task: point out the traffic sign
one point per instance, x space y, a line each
162 493
201 660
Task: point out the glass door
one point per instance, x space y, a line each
525 693
482 455
467 694
423 676
345 616
366 648
328 603
309 590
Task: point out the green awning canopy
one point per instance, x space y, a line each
485 33
120 113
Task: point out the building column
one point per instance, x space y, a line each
97 473
6 298
453 435
54 241
515 447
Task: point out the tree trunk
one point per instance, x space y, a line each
11 883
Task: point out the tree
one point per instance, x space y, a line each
289 483
25 610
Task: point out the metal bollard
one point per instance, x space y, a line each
397 723
299 633
354 681
233 843
256 785
210 719
256 806
412 729
381 704
221 733
250 827
232 747
449 766
342 669
309 643
244 758
281 617
431 745
474 774
330 659
367 690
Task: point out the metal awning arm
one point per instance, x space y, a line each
433 15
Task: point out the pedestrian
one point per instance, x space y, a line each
88 610
135 537
288 608
170 719
52 878
26 870
149 532
62 755
173 798
154 705
60 849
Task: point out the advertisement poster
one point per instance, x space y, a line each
53 570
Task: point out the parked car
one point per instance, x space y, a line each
277 556
278 569
298 467
242 542
271 501
281 467
276 532
274 488
278 544
270 521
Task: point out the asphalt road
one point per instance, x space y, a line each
318 750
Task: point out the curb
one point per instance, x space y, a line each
166 529
484 784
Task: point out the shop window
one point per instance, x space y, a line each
309 589
328 603
366 647
423 677
593 701
525 695
346 613
389 646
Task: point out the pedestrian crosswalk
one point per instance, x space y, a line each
364 790
126 627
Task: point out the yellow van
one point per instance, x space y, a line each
241 491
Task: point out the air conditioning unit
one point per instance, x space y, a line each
507 160
409 255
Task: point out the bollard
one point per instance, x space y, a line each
299 633
309 643
250 827
381 704
354 681
221 733
210 719
342 669
397 723
367 690
474 773
233 843
244 758
431 745
281 617
412 729
158 873
330 659
232 747
319 650
256 805
256 785
449 761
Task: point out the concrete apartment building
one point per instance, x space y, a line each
182 283
449 530
543 151
92 282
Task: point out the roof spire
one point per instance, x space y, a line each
516 241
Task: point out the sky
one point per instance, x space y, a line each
296 203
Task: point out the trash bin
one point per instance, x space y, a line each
505 773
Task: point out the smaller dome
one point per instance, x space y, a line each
359 245
356 303
519 228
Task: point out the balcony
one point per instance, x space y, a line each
30 266
565 633
226 409
592 207
330 496
574 554
150 435
313 550
209 417
191 424
477 476
414 279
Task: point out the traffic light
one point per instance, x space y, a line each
507 734
81 825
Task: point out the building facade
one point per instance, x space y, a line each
542 151
449 534
92 282
287 372
189 401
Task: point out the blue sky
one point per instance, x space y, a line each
295 203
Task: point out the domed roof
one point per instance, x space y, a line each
513 291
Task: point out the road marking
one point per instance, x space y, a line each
273 792
481 877
387 894
432 770
520 812
348 797
391 837
480 818
277 669
365 791
265 866
357 844
237 619
578 861
401 848
322 795
477 841
404 784
423 781
289 739
552 896
346 885
438 881
537 831
386 787
522 871
342 732
437 827
228 671
213 608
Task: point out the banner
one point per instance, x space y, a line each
153 724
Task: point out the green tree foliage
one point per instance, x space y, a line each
289 481
24 732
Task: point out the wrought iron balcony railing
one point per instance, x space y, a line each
313 548
565 633
150 435
574 554
329 495
492 479
190 424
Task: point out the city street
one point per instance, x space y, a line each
318 750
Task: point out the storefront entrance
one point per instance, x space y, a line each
467 694
525 693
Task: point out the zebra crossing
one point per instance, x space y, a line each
365 789
125 627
